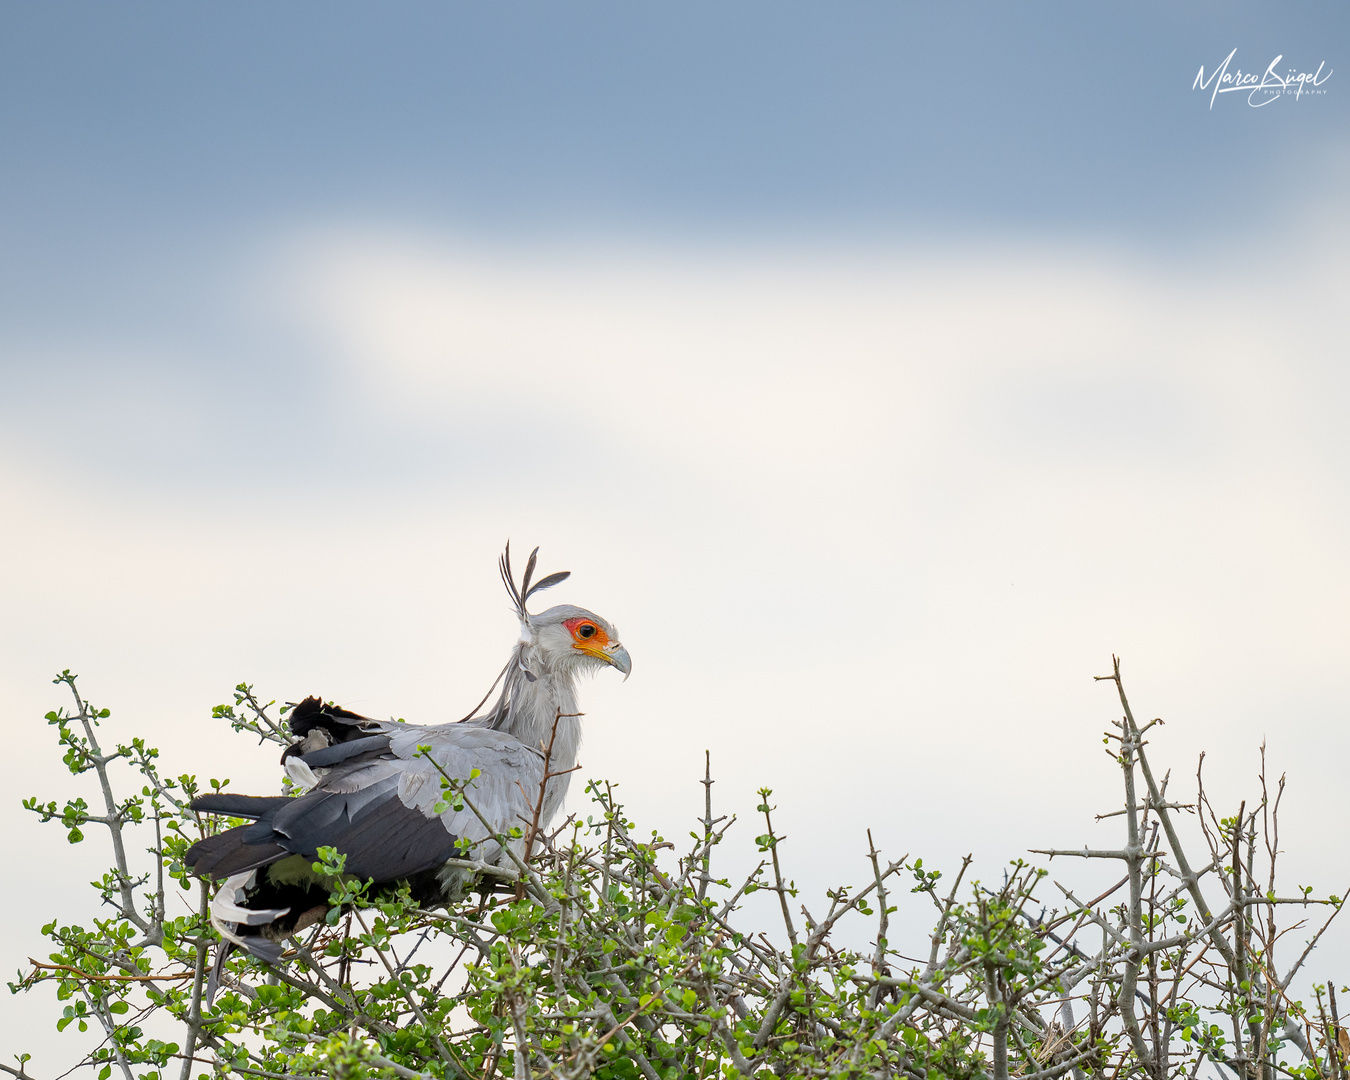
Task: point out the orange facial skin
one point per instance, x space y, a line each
588 636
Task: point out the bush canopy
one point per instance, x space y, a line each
597 951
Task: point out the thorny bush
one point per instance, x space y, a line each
604 954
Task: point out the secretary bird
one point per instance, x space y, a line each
373 793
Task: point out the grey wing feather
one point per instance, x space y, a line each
378 807
504 791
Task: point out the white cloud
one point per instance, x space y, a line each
868 523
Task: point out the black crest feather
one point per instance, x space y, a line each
521 594
549 582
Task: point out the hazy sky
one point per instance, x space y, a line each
879 370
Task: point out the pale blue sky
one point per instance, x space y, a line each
129 119
150 148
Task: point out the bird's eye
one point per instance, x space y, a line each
585 630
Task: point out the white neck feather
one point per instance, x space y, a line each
537 697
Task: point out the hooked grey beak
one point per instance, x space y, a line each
617 656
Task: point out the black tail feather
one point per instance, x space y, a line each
245 806
229 853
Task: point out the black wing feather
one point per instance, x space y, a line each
341 724
331 755
390 841
382 838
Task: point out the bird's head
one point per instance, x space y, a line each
570 638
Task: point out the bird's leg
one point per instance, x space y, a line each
344 965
